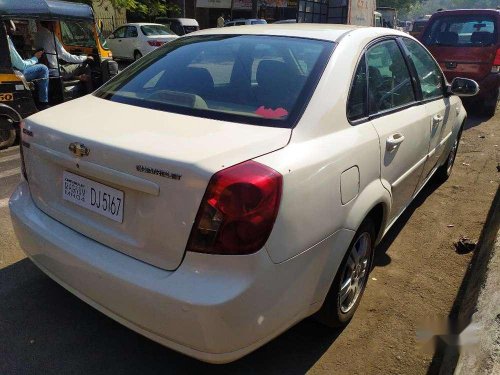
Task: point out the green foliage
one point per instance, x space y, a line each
147 8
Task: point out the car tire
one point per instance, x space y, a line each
444 171
137 55
340 303
490 106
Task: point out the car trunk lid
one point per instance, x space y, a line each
470 62
161 162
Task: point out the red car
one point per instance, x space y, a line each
466 43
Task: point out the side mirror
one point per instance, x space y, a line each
463 87
111 36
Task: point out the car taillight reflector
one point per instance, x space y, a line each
238 210
155 43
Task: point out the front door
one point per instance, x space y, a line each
116 44
402 124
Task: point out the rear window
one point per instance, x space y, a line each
462 31
262 80
155 30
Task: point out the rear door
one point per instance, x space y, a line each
130 42
464 44
440 109
401 124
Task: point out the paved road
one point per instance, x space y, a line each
44 329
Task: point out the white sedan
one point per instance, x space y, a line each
134 40
237 180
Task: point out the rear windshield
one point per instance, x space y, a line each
262 80
462 31
155 30
258 22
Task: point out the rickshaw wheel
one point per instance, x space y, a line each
7 138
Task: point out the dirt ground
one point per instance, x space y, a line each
417 274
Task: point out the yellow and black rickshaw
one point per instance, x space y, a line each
75 27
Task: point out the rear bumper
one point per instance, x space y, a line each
214 308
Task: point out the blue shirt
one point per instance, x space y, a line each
17 60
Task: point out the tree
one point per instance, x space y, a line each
147 8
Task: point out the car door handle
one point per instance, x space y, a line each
394 141
436 120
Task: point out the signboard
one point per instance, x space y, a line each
242 4
361 12
224 4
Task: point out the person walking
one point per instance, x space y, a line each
220 20
30 68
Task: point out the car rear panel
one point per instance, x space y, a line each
162 163
468 61
471 62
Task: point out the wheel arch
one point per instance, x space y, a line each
374 202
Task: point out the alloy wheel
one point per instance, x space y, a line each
355 272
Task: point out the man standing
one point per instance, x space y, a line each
220 20
30 68
76 67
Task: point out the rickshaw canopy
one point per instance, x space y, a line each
45 9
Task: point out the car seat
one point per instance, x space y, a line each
190 80
277 84
484 38
447 38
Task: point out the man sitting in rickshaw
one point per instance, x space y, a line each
30 68
76 67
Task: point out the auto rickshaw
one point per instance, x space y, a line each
75 27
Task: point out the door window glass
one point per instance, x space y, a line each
356 107
80 34
120 33
429 74
389 82
131 32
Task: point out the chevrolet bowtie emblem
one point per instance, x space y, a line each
79 149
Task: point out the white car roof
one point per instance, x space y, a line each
330 32
142 24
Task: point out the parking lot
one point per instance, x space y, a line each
417 274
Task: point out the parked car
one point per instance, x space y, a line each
241 22
291 20
134 40
180 26
466 43
417 27
240 182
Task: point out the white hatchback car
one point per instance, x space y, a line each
236 180
134 40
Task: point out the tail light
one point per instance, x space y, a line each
496 63
155 43
21 146
238 210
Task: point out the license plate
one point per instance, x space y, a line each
96 197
